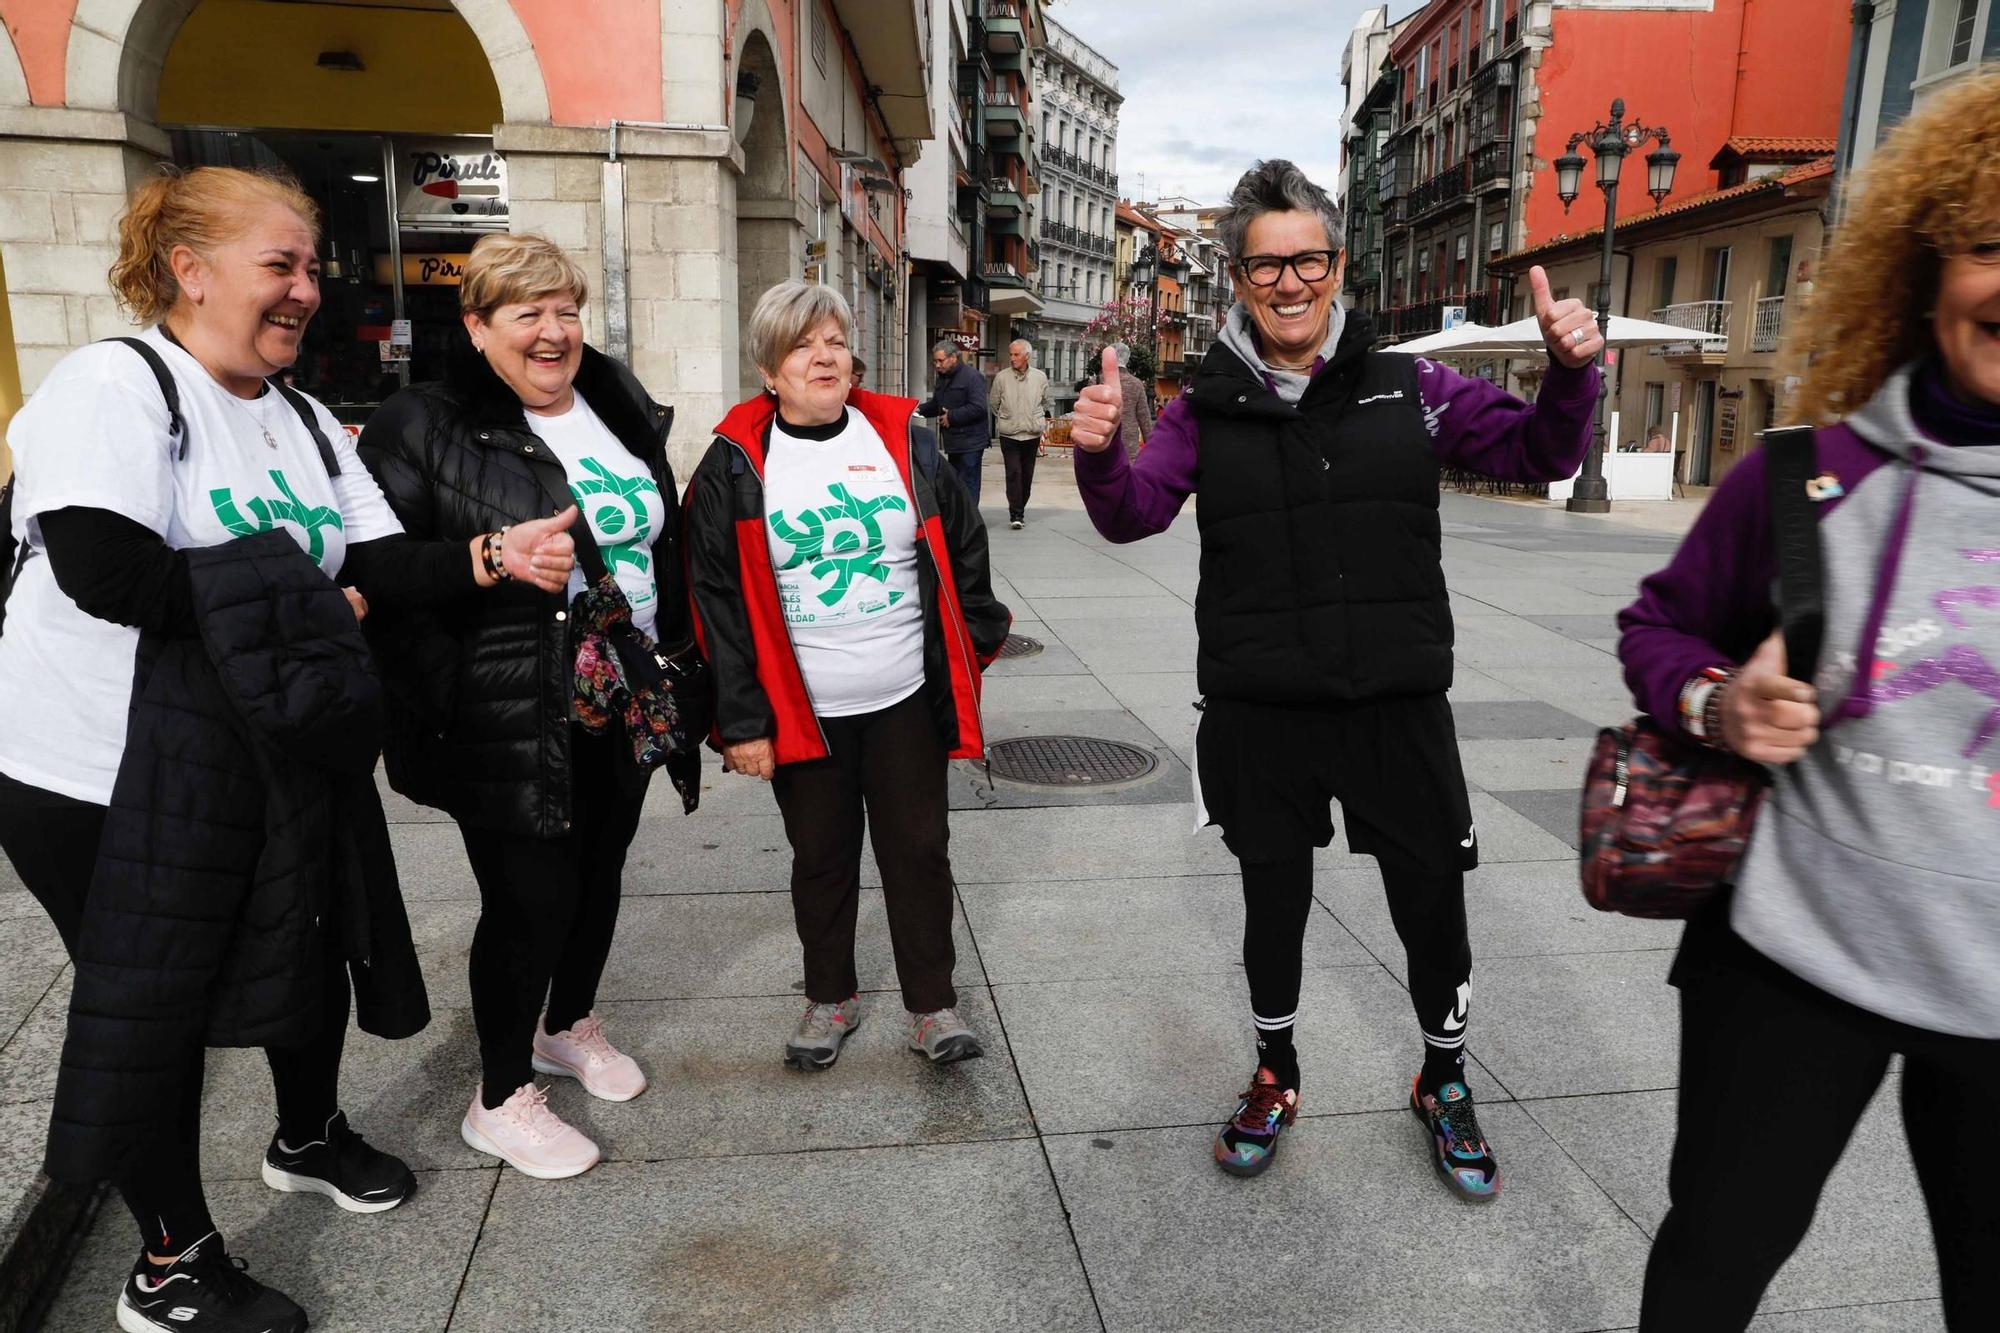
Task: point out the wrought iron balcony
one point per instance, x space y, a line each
1768 324
1700 317
1440 191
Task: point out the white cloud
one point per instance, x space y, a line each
1212 87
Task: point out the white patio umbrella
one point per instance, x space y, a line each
1524 338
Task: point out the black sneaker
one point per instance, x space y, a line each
1458 1149
204 1291
340 1165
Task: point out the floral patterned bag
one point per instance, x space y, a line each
1665 820
659 697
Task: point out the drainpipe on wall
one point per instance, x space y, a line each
1862 16
617 264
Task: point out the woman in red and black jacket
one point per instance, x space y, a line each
842 596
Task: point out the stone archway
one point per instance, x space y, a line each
13 79
117 49
769 243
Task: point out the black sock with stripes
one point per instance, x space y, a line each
1442 1065
1275 1053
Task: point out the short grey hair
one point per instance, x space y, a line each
947 346
1021 343
786 313
1275 186
1123 353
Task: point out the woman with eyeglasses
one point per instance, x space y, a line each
1324 629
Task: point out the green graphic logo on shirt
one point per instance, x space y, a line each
848 554
615 507
269 512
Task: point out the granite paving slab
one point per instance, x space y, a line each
1565 1024
1555 810
1334 1219
30 1057
1514 720
981 1222
1529 765
1116 929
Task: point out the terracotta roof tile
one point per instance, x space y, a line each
1805 150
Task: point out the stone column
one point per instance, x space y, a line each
64 179
679 255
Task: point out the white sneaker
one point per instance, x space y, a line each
525 1134
582 1053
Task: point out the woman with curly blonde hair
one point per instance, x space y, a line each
1864 922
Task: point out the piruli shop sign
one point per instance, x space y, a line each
425 270
450 183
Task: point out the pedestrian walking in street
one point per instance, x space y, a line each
1135 425
1021 415
490 722
189 726
1864 921
1324 630
842 594
959 403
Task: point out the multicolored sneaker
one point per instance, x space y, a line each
943 1037
1246 1145
1458 1149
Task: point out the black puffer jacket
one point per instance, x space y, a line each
481 690
243 827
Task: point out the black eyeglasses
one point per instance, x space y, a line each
1265 270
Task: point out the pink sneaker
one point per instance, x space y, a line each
583 1054
524 1133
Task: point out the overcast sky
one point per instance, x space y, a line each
1210 86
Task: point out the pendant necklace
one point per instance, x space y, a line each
270 440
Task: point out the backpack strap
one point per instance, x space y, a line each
303 406
1790 465
176 424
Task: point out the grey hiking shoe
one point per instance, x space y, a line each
816 1043
943 1036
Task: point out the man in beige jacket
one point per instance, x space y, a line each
1020 402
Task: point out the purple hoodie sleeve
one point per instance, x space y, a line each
1711 606
1128 500
1483 428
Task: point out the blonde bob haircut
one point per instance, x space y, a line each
201 209
514 269
789 311
1930 192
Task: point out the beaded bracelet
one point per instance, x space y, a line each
1700 704
496 564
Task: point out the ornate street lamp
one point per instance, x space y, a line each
1609 144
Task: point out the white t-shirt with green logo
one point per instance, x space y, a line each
843 539
95 436
618 498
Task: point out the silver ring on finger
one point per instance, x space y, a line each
1577 335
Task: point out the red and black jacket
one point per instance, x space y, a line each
741 627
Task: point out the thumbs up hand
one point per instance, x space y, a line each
1094 419
1568 326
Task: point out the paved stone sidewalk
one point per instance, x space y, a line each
1064 1182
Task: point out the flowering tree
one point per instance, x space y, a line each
1130 320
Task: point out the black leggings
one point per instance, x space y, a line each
1775 1073
52 841
547 910
1428 909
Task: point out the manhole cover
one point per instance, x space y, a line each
1069 761
1020 645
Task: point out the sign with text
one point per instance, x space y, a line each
425 270
450 183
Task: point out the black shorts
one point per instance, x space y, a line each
1269 776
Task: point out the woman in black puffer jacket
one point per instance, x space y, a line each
527 423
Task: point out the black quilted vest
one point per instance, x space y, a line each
1321 580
